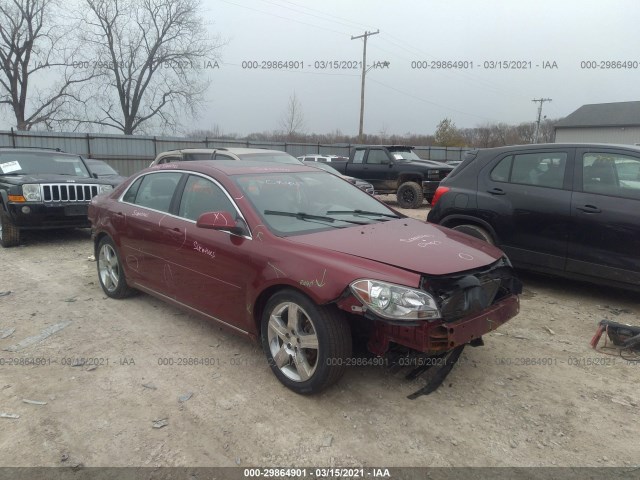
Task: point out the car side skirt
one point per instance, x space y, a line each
183 306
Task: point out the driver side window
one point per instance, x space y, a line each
377 157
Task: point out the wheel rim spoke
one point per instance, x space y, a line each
308 341
114 278
293 315
278 327
282 357
109 268
302 366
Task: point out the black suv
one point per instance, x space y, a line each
567 209
44 188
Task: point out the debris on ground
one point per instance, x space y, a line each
162 422
549 330
6 332
327 441
150 386
8 415
33 402
183 398
4 294
625 339
46 333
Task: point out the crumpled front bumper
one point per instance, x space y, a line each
441 336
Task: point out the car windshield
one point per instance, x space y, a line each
270 157
403 154
304 202
102 169
27 163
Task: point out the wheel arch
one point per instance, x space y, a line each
455 220
264 296
96 241
4 200
410 177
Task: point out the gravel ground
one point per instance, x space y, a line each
535 395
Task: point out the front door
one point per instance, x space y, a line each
605 235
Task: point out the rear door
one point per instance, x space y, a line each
605 235
526 197
151 244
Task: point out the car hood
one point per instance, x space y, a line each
434 163
409 244
51 178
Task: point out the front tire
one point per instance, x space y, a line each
410 195
477 232
110 271
9 233
306 345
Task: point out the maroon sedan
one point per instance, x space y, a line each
301 260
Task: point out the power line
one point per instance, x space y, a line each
541 100
365 35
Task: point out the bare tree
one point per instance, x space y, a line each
33 49
152 55
292 121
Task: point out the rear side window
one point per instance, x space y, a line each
156 190
544 169
611 174
358 157
130 196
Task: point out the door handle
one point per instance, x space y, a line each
496 191
589 209
175 232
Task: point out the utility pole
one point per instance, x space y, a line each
541 100
365 35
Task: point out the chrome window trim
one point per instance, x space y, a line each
206 177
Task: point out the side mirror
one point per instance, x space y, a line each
219 221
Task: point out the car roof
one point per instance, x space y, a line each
531 146
234 167
385 146
57 151
236 150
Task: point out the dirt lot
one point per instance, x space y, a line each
535 394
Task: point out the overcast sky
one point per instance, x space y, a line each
403 98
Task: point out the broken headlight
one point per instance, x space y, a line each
395 302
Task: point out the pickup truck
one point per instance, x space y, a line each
395 169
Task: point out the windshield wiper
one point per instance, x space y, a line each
360 212
308 216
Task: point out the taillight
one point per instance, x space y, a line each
439 192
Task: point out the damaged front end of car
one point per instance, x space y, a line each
435 322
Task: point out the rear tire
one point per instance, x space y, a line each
476 232
307 345
410 195
9 233
110 271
